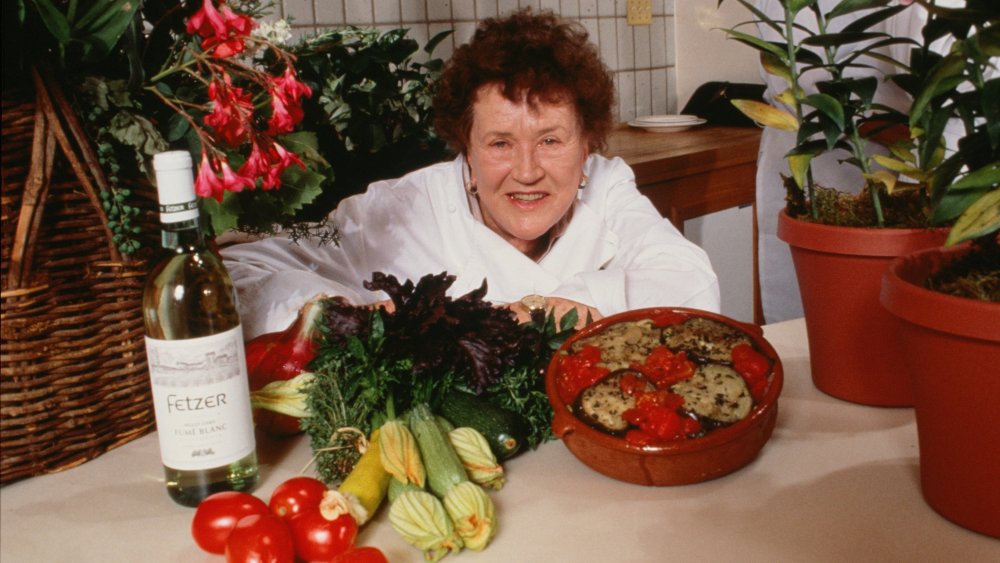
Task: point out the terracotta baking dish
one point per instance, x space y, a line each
718 453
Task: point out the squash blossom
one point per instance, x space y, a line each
399 454
473 514
477 457
421 520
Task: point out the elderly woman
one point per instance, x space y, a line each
527 205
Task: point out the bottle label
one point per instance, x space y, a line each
202 400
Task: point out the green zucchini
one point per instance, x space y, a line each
506 431
443 466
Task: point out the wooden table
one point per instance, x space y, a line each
692 173
837 482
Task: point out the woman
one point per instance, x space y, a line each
526 206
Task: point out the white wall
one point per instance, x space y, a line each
703 54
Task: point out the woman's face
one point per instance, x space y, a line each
527 164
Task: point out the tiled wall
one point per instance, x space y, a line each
641 57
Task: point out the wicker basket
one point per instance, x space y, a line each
73 376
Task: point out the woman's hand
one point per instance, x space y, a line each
559 305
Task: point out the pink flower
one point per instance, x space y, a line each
282 121
232 111
286 105
233 182
257 164
281 159
238 24
209 184
290 85
223 31
207 21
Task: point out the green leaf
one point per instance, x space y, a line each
944 77
102 25
987 176
767 115
868 20
796 6
55 21
775 49
223 216
848 6
799 166
177 127
828 106
980 219
840 39
137 131
775 66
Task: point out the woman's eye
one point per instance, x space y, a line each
499 144
549 141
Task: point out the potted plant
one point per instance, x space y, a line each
947 299
842 238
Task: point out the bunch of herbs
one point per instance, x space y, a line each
372 365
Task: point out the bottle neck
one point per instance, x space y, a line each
183 235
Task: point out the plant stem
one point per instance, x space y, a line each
793 71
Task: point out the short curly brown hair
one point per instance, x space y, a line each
527 53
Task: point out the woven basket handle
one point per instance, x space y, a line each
52 110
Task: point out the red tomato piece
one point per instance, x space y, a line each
296 495
665 367
364 554
753 366
667 318
631 384
260 538
319 539
217 515
579 371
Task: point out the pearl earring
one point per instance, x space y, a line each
583 181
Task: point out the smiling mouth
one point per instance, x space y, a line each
527 197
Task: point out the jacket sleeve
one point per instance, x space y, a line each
652 265
274 277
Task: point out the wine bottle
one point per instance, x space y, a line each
194 346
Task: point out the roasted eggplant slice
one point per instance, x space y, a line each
601 405
716 392
706 339
623 344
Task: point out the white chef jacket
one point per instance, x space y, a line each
616 253
779 288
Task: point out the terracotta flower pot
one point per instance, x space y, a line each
952 352
839 270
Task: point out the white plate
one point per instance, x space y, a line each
667 128
666 119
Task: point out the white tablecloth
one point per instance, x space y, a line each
837 482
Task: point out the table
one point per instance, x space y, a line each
837 482
691 173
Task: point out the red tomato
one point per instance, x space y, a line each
260 538
668 318
319 539
296 495
754 367
217 515
577 372
365 554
